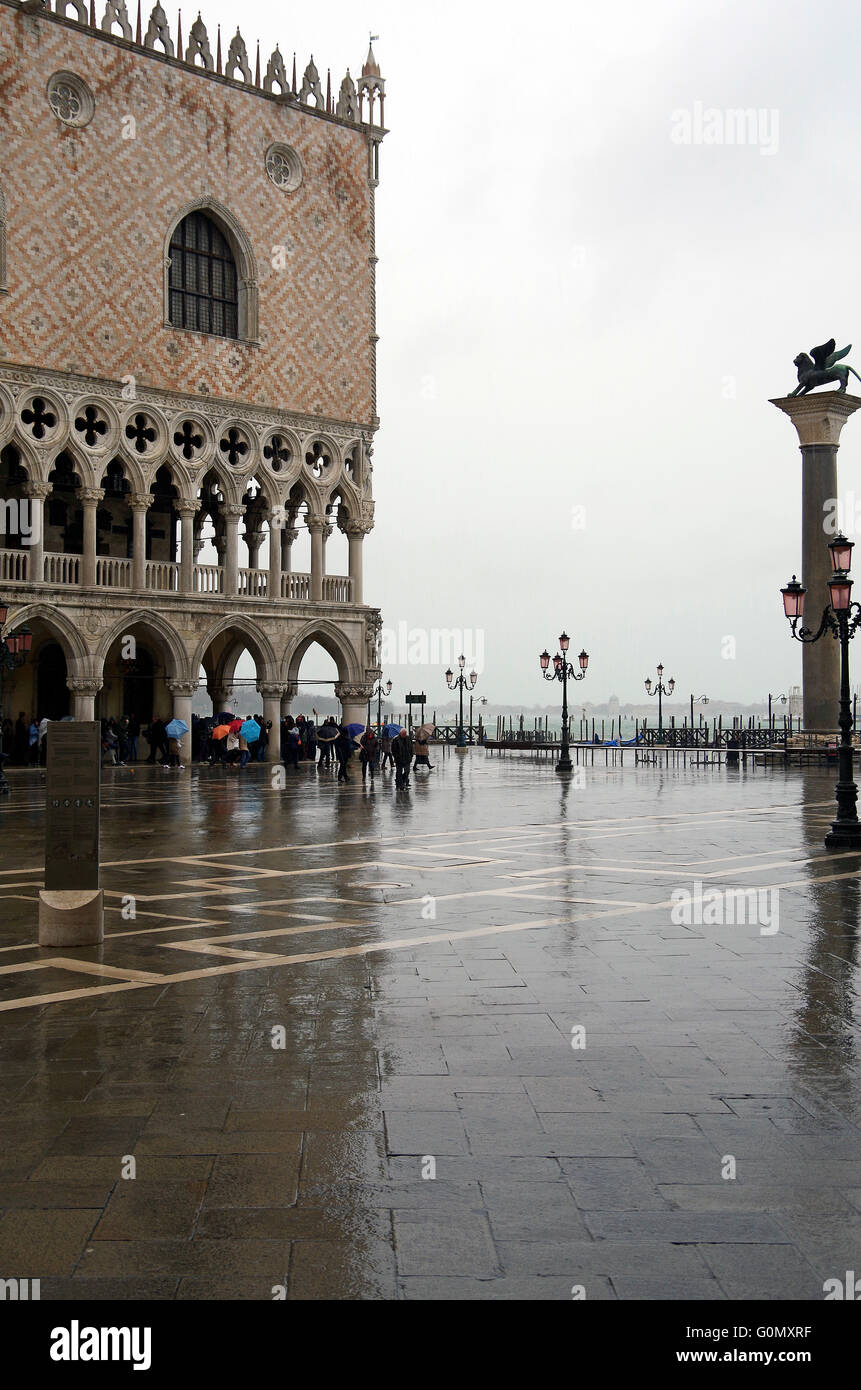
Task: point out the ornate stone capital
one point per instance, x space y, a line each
315 522
139 501
352 527
91 494
232 509
82 687
182 687
819 418
38 490
345 691
186 507
272 692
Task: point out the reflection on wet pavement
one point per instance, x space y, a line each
493 1037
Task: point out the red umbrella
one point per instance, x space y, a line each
235 725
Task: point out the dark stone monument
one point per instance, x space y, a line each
71 905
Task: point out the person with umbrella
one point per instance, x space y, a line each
343 751
401 754
249 733
327 736
175 732
421 747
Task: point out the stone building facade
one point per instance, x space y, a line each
187 361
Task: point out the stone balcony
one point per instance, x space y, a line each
18 567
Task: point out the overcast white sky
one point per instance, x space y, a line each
577 312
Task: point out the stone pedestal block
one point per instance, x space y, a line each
74 917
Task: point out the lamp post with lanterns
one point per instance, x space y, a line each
14 650
660 690
838 620
461 683
563 671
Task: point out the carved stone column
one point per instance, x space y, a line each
288 696
37 492
276 525
187 511
84 694
90 498
319 532
139 503
354 701
232 512
272 697
288 536
356 532
818 420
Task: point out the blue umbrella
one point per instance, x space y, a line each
176 728
250 731
354 729
390 730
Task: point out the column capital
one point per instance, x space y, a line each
347 690
353 527
273 692
38 490
315 522
186 507
819 419
139 501
91 494
79 686
233 509
291 690
182 687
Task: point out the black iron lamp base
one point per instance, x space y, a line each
844 834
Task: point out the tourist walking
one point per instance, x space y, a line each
343 752
401 754
386 749
368 754
421 751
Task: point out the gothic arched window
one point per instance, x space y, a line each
203 284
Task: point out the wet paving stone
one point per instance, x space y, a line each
329 1093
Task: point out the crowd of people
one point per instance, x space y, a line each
25 741
301 741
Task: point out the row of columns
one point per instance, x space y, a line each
227 543
277 699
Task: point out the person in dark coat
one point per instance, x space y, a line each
368 755
343 752
402 753
20 741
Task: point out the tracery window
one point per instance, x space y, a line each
203 280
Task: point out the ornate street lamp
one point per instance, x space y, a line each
380 691
838 620
660 690
461 683
14 651
563 671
